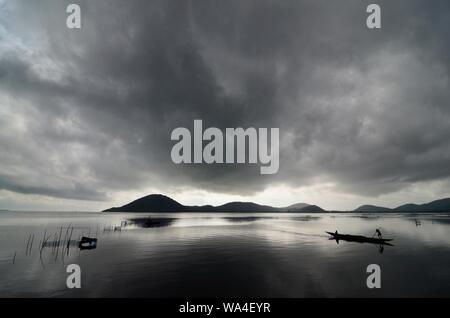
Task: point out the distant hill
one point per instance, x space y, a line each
442 205
295 207
162 203
371 208
310 209
244 207
407 207
151 203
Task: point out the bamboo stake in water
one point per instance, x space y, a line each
31 244
68 242
65 240
28 243
58 243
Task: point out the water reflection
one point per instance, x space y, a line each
220 254
148 222
53 244
305 218
240 219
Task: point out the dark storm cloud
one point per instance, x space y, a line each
89 112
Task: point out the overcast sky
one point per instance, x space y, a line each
86 115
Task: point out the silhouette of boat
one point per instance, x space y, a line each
359 239
87 243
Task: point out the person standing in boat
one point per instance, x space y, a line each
378 233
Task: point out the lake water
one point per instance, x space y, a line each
212 255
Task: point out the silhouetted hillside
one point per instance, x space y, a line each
294 207
161 203
442 205
244 207
372 208
310 209
151 203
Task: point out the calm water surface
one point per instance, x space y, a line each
212 254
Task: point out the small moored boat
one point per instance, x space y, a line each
87 243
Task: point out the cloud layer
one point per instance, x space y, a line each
86 114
